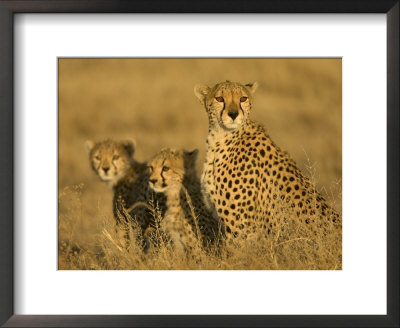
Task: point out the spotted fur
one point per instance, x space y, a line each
114 164
254 185
187 220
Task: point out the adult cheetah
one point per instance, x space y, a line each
114 164
254 185
187 221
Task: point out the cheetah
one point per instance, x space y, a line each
114 164
252 184
187 221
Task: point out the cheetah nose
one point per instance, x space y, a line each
105 169
153 181
233 115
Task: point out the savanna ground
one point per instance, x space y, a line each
152 101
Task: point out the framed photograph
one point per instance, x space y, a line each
194 164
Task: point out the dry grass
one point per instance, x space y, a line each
151 100
293 248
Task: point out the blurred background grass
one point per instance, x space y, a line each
151 100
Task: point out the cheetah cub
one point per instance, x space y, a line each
187 221
114 164
252 183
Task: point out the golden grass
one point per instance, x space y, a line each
295 247
152 101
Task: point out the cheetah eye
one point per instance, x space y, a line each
115 157
97 157
243 99
165 168
219 99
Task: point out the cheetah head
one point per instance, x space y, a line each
228 104
110 159
169 167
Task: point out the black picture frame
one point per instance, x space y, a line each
7 11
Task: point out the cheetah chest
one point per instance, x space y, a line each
230 180
176 224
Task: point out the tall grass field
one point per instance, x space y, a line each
299 102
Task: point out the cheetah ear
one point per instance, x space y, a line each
89 144
190 157
130 146
252 87
201 91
